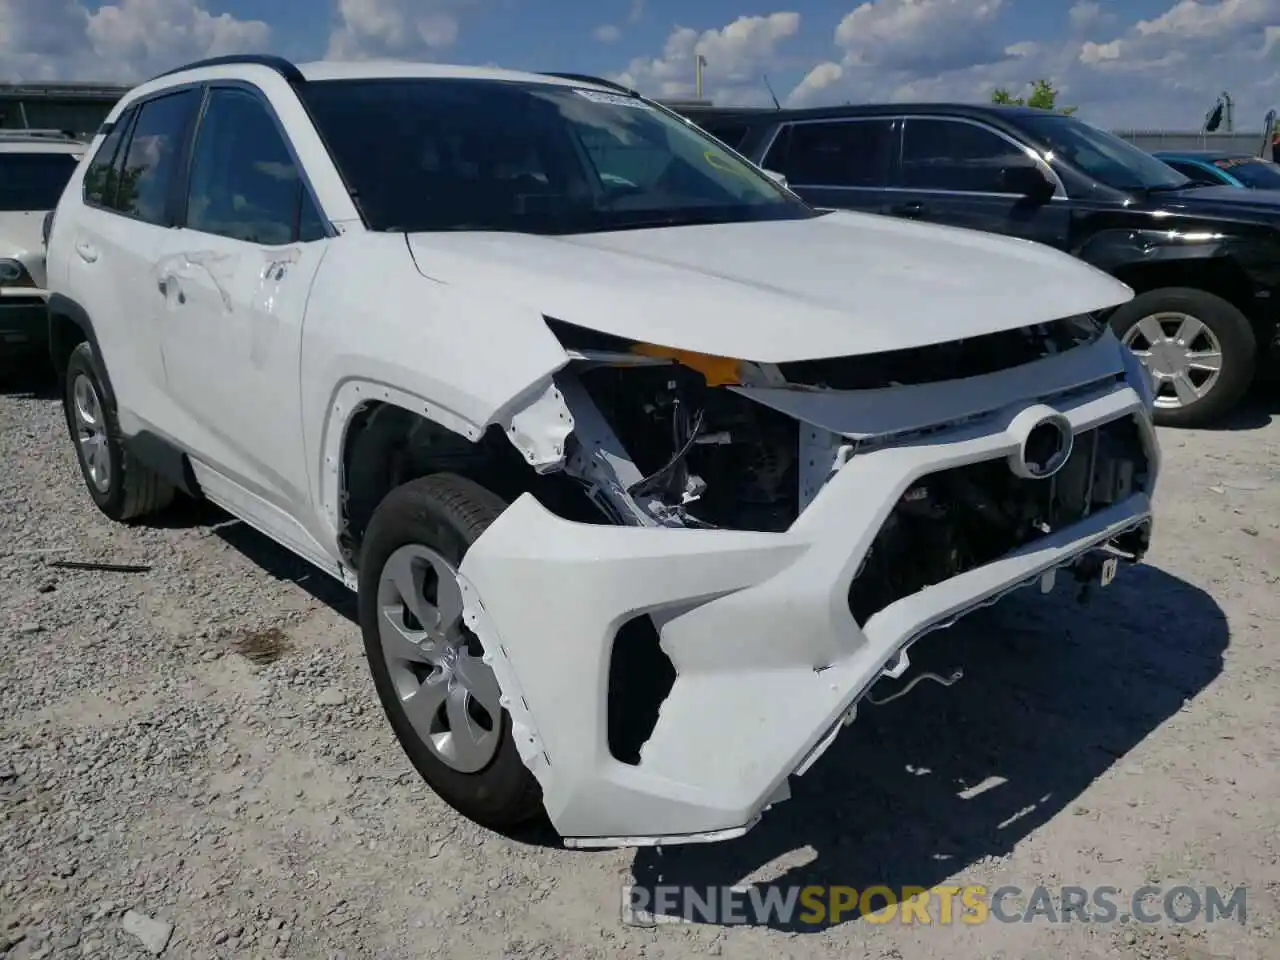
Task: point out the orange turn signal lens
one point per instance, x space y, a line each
718 371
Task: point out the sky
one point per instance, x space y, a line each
1123 63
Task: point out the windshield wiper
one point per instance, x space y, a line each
682 219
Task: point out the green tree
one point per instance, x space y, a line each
1044 95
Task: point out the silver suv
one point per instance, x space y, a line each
35 167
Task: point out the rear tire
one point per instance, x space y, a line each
429 524
122 486
1176 332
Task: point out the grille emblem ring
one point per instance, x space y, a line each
1045 441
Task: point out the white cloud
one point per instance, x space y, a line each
1149 72
612 33
818 79
1086 14
920 35
1096 53
123 42
371 29
1204 18
737 56
889 48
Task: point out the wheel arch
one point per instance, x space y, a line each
377 437
69 326
1148 260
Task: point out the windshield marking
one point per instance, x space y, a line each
614 99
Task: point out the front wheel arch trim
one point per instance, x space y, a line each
344 406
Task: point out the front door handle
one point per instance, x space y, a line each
166 285
87 251
913 208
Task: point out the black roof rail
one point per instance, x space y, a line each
280 65
587 78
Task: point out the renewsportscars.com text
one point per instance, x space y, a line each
941 905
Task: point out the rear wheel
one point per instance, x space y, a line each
1200 350
122 486
441 699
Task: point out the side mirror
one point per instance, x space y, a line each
776 177
1029 182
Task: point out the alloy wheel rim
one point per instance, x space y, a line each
449 695
1181 353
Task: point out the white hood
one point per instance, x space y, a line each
778 291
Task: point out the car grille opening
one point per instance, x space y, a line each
956 520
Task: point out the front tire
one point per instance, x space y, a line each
442 701
122 486
1200 350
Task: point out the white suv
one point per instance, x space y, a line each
34 169
644 470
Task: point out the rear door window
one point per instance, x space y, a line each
837 153
102 178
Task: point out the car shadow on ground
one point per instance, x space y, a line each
280 563
29 379
1260 406
1053 695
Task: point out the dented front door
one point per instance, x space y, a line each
235 279
233 336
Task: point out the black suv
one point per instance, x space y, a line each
1203 261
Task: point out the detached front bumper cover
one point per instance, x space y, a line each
767 654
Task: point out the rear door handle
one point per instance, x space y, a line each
87 251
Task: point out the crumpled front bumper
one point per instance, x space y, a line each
768 656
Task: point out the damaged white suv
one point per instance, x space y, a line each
644 470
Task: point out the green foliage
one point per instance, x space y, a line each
1044 95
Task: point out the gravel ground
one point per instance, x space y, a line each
192 759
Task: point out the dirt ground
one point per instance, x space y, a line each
200 744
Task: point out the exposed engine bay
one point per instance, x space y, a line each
708 456
713 456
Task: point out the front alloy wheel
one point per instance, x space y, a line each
447 692
1198 348
441 698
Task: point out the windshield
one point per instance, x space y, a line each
1103 156
460 154
1252 171
34 181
